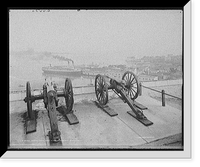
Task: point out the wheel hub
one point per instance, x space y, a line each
128 85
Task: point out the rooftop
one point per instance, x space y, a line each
96 129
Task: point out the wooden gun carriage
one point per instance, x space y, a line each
127 89
50 100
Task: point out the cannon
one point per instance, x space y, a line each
127 89
50 100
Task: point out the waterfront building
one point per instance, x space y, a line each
143 78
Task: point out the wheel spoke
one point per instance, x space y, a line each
132 95
98 90
133 90
101 99
126 78
104 92
101 80
133 79
98 81
98 95
129 77
135 83
134 87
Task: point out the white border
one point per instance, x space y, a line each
187 79
186 154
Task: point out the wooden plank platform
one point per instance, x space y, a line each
72 119
106 109
70 116
30 126
145 122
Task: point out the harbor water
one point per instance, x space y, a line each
25 68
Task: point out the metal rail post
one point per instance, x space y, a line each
163 98
140 89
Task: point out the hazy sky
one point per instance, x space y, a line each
98 33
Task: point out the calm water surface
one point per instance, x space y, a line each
23 69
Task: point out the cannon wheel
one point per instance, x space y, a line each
29 102
68 92
101 90
131 84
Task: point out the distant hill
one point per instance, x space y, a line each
39 55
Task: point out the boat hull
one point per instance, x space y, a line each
63 72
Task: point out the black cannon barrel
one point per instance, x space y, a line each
114 84
60 94
33 98
38 97
41 96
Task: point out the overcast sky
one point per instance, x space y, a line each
100 34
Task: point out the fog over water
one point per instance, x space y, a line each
26 69
89 36
98 35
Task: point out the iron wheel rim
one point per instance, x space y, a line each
131 84
101 90
69 99
29 103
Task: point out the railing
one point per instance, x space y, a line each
38 89
162 93
22 92
92 92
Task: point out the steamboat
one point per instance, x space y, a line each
69 70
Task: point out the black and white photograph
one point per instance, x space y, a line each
96 79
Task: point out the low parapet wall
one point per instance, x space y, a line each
88 90
162 83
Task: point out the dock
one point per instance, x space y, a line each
96 129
